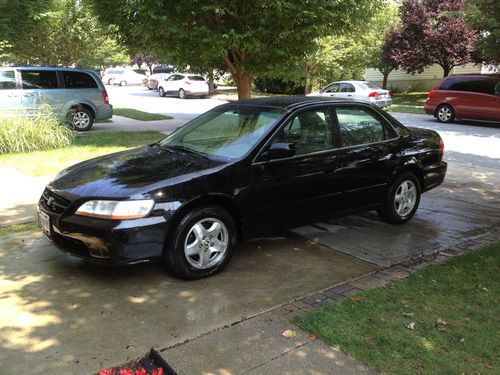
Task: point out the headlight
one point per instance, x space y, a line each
116 210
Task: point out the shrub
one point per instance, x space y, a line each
278 86
41 130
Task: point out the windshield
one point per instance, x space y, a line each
225 132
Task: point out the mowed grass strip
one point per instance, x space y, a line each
85 146
139 115
455 310
412 102
16 228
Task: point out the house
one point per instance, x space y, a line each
425 81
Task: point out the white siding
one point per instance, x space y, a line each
399 79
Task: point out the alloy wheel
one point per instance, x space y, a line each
206 243
81 120
405 198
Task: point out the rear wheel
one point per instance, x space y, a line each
182 94
81 119
402 199
445 113
161 91
202 243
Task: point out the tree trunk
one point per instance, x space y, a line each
446 70
211 86
243 83
308 85
384 82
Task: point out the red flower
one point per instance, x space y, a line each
141 372
126 371
158 371
107 372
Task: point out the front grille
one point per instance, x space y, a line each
53 202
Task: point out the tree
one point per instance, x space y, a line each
432 33
248 37
142 58
484 16
66 33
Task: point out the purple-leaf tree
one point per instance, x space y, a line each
432 32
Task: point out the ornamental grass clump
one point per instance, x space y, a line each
40 130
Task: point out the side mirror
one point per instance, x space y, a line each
279 151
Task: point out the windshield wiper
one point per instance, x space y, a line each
187 149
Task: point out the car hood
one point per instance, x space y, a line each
132 172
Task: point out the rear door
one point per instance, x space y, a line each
41 87
296 189
370 147
10 96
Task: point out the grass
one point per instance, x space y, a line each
16 228
139 115
455 310
412 102
85 146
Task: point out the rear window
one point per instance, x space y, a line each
79 80
39 79
482 85
368 85
196 78
7 80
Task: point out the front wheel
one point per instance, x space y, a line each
123 83
202 243
81 119
161 91
402 199
445 113
182 94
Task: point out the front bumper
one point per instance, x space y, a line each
110 242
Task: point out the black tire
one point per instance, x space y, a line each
161 91
175 255
445 113
81 119
393 212
110 81
182 94
123 83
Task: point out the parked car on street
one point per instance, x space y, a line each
129 77
357 90
163 68
240 170
74 94
474 97
151 82
183 85
109 75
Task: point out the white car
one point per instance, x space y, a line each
183 85
129 77
109 75
357 90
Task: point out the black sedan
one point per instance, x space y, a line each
238 171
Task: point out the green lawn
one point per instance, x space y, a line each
412 102
85 146
139 115
455 309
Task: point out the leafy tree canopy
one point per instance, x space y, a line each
248 37
432 32
484 16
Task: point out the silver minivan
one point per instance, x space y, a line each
74 94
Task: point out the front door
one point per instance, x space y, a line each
295 189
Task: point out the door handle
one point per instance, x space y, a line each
27 95
349 95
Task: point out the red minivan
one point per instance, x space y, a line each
475 97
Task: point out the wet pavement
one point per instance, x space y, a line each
59 314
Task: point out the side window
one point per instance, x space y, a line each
7 80
358 126
334 87
39 79
79 80
172 78
310 131
346 87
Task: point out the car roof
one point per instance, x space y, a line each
292 102
47 68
